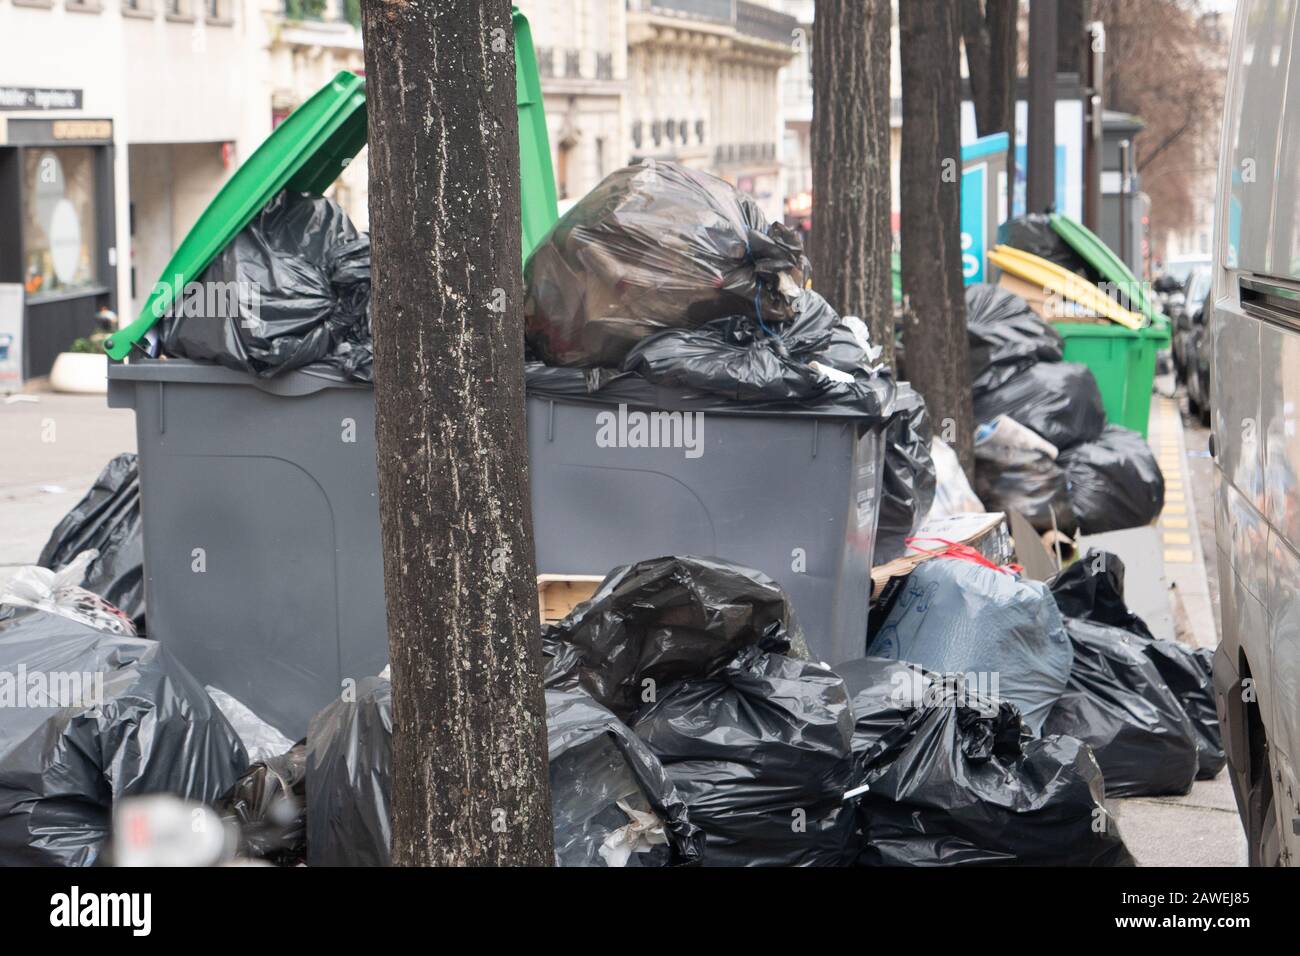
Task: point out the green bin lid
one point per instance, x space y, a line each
1102 258
306 153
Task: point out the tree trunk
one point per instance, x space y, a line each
470 782
851 238
930 181
989 29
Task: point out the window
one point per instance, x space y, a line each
59 219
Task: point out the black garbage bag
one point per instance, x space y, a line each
907 484
596 762
1004 634
1115 482
1058 400
663 620
349 779
295 294
1034 234
655 246
108 520
1118 704
762 754
1092 588
604 782
87 718
955 778
742 360
269 805
1006 336
1013 474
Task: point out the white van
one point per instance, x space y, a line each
1255 327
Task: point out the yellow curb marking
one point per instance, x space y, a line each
1177 537
1178 555
1175 510
1174 522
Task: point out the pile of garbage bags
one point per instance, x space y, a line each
611 802
102 716
108 521
1084 474
655 246
695 654
953 777
294 293
1145 704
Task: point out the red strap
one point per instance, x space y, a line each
963 552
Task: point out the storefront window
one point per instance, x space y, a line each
59 220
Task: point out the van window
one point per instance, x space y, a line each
1252 121
1284 253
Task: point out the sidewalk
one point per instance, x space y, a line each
54 448
1166 583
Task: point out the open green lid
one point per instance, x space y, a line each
306 153
1101 257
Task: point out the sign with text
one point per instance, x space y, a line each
39 98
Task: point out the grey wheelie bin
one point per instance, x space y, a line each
263 563
263 569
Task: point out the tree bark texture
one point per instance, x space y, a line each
930 182
470 780
989 29
851 240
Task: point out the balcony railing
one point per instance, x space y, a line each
764 23
720 10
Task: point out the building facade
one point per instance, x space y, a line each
121 119
704 89
581 48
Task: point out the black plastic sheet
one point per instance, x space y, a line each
1006 336
595 762
762 754
102 717
655 246
108 520
664 620
955 778
1119 705
1058 400
1092 588
907 484
268 804
1115 481
299 278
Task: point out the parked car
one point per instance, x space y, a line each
1191 342
1255 328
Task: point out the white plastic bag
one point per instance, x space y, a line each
60 592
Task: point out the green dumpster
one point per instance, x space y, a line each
308 151
1123 361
